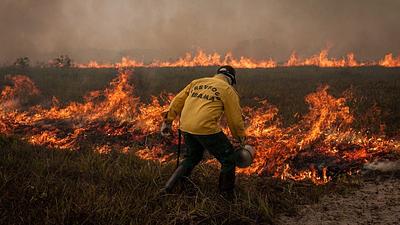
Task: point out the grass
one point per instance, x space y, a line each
47 186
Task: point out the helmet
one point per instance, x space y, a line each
228 71
244 156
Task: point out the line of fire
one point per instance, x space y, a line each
201 58
320 146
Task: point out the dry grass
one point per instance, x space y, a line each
45 186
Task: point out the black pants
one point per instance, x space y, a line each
220 147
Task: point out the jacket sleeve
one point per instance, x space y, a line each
233 113
176 106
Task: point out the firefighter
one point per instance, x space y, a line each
200 105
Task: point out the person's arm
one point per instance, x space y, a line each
176 106
233 113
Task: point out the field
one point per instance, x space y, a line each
41 184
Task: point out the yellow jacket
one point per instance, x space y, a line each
202 103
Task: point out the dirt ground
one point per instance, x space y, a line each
377 201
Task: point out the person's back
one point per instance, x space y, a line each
207 100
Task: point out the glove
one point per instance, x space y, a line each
166 129
239 142
242 141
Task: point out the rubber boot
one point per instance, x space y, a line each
180 172
227 184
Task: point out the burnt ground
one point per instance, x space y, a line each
377 201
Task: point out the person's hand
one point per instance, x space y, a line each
166 129
239 142
242 141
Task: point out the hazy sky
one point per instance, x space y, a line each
105 29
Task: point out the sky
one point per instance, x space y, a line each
165 29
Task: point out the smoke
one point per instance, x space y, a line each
387 166
107 30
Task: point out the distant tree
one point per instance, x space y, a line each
22 62
63 61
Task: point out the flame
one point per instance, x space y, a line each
321 144
201 58
390 61
23 89
322 60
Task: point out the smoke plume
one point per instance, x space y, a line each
164 29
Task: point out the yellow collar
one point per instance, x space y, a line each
222 77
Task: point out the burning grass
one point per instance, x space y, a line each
319 147
201 58
100 176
